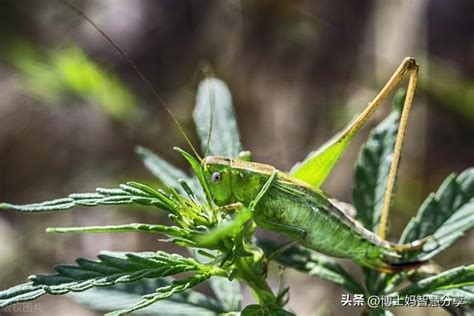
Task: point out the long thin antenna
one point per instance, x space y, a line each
208 73
211 120
136 69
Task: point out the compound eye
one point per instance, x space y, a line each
216 177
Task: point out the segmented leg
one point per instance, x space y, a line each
286 229
408 67
230 208
263 190
413 246
291 230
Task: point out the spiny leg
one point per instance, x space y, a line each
230 208
412 69
414 245
292 230
282 228
408 67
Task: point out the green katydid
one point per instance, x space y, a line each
292 203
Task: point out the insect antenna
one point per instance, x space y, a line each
208 73
137 71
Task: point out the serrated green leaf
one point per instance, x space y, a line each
372 169
214 96
168 174
227 292
445 216
130 193
180 236
163 293
112 268
134 227
457 282
267 310
123 295
160 168
310 262
196 166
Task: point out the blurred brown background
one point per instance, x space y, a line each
298 71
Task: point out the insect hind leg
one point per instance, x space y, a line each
286 229
412 246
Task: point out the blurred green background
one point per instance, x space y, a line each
72 110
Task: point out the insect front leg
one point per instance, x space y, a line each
263 190
230 208
275 226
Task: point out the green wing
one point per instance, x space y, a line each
319 163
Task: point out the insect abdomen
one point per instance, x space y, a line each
326 231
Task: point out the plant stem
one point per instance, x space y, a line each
254 278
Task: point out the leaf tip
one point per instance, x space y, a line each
399 99
33 278
140 150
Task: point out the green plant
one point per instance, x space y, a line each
223 248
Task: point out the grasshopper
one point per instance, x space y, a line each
292 203
289 203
